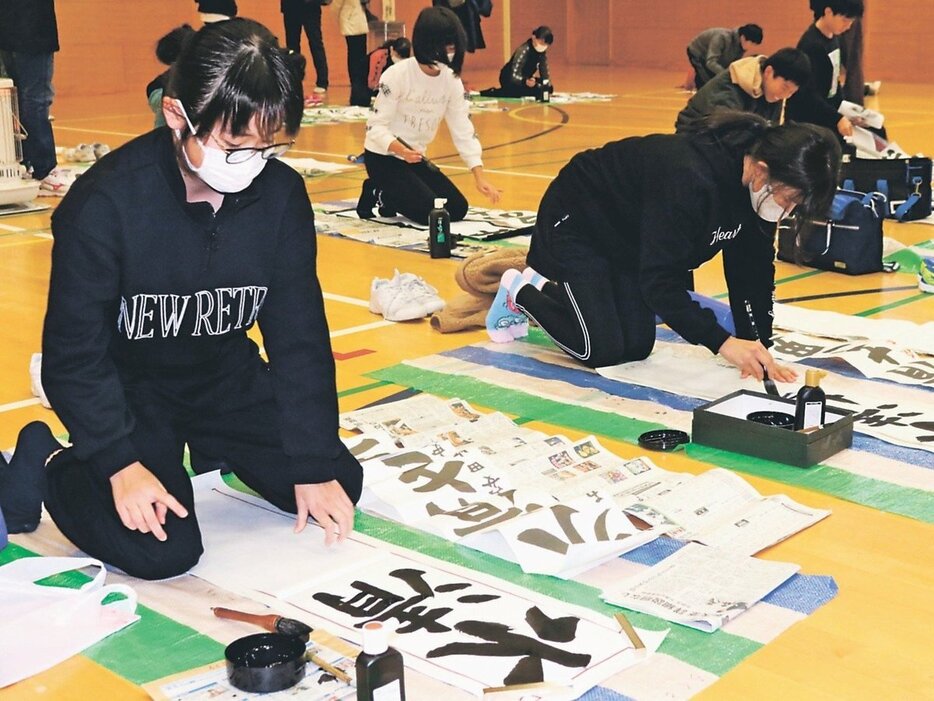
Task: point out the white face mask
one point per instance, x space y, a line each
541 49
764 204
216 172
451 56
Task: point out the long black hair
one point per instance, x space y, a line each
230 72
435 29
804 157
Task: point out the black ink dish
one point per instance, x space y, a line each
779 419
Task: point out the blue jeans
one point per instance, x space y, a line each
32 75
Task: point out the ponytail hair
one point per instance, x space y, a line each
234 71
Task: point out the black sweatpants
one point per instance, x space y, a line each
592 310
242 429
411 188
309 17
358 68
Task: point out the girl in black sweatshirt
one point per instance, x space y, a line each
621 228
166 252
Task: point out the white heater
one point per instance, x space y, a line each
15 184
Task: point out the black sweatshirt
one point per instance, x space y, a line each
523 65
28 26
659 206
148 287
817 102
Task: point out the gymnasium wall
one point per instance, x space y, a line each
107 47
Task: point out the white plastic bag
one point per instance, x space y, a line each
41 626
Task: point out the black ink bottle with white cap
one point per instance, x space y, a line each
380 672
811 402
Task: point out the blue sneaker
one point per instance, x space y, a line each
926 275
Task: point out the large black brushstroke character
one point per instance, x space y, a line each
504 643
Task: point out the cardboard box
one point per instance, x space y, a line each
722 423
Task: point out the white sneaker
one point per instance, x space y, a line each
414 299
35 379
82 153
100 150
381 290
318 89
406 296
57 183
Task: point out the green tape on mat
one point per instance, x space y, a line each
362 388
518 403
906 501
153 647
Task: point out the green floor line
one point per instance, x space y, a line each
153 647
914 503
893 305
362 388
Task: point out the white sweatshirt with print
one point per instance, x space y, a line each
411 104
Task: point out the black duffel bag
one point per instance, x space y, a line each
905 182
849 241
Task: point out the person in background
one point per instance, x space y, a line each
297 14
166 253
167 50
528 67
351 19
756 84
713 50
621 227
28 42
470 14
216 10
820 101
381 58
414 96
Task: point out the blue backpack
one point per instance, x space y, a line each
848 241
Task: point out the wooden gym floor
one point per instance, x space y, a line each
871 641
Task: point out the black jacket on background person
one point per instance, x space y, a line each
525 63
149 288
659 206
817 103
28 26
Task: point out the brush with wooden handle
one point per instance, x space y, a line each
270 622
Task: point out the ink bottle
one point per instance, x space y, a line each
439 230
546 90
811 402
380 672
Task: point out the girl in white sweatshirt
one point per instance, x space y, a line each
414 95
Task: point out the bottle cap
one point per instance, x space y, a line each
812 377
375 638
440 202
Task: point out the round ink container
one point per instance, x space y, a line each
265 662
778 419
664 439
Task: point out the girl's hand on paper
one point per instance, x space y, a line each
751 357
142 502
328 504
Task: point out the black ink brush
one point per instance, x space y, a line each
767 381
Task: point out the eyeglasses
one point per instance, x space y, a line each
245 153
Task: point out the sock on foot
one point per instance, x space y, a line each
504 322
533 278
22 480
